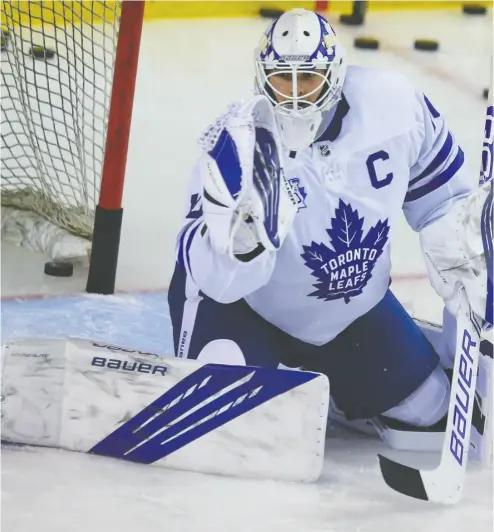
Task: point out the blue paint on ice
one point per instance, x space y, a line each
137 321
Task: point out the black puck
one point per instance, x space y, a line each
40 52
352 20
366 43
59 269
474 9
266 12
426 45
485 94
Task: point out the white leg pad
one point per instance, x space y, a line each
183 414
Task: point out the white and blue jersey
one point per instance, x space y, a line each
386 151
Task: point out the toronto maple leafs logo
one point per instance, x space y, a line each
344 271
299 192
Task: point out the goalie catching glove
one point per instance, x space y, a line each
247 200
458 252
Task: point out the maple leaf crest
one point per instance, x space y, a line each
343 271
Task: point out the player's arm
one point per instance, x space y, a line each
453 216
240 206
438 171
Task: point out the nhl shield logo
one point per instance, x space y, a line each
324 150
344 271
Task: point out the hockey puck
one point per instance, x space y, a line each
366 43
474 9
40 52
266 12
426 45
485 94
352 20
59 269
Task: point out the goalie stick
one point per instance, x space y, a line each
445 483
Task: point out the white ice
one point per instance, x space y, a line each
58 491
188 72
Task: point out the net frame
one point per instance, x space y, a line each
108 216
50 163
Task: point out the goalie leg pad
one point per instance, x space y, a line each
234 420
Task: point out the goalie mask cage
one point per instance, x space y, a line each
68 79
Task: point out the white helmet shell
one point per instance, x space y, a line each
296 35
300 41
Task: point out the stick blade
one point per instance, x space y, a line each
403 479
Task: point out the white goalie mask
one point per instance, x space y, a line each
299 42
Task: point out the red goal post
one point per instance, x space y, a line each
108 216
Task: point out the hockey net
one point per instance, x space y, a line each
57 72
60 62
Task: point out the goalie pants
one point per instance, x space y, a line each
373 365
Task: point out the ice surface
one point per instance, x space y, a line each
188 71
58 491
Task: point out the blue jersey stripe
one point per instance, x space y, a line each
432 110
438 180
180 253
439 159
190 238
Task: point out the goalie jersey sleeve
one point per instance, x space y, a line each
217 275
438 174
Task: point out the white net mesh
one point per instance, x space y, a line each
54 110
